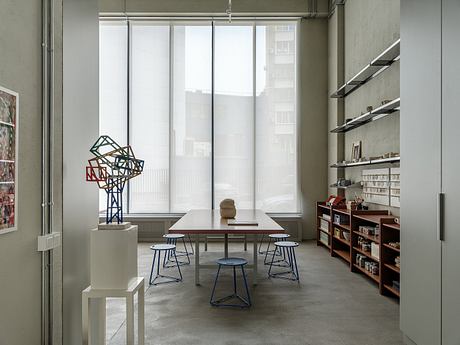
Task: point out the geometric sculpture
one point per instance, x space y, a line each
111 168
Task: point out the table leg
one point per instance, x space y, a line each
226 246
197 259
130 319
84 319
254 269
140 315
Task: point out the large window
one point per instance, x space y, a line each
210 106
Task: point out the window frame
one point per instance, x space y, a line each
128 22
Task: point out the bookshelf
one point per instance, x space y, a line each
371 254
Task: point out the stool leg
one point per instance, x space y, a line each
268 248
214 287
191 244
177 263
271 263
168 241
234 280
186 250
260 244
295 263
153 265
248 296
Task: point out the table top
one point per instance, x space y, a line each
210 222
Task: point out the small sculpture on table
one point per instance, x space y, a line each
112 166
227 209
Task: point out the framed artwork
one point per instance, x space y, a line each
9 106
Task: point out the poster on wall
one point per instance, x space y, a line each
8 159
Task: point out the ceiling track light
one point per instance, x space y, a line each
229 11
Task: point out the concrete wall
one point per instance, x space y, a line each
313 121
370 26
20 263
313 36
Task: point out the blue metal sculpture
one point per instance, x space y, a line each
111 168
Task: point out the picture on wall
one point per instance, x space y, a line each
8 159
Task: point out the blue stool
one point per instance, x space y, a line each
277 251
168 249
293 271
172 239
245 302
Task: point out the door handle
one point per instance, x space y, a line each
441 204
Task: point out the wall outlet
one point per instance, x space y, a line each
49 241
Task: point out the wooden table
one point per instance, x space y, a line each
209 222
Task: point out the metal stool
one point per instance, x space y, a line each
245 302
277 251
288 246
172 239
167 249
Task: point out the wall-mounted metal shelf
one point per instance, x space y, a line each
374 68
368 162
378 113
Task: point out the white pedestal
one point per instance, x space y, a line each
136 286
113 258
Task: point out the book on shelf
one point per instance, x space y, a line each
324 225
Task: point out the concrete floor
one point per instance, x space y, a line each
330 306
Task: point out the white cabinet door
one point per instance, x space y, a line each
420 170
451 171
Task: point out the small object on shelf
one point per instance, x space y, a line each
385 101
343 182
346 236
397 220
369 108
356 151
396 285
397 261
375 250
324 225
335 200
323 238
327 217
396 245
352 205
337 232
340 219
369 230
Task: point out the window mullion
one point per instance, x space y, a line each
128 104
212 114
254 80
171 112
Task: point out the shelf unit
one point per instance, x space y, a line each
350 221
392 160
390 272
378 113
374 68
